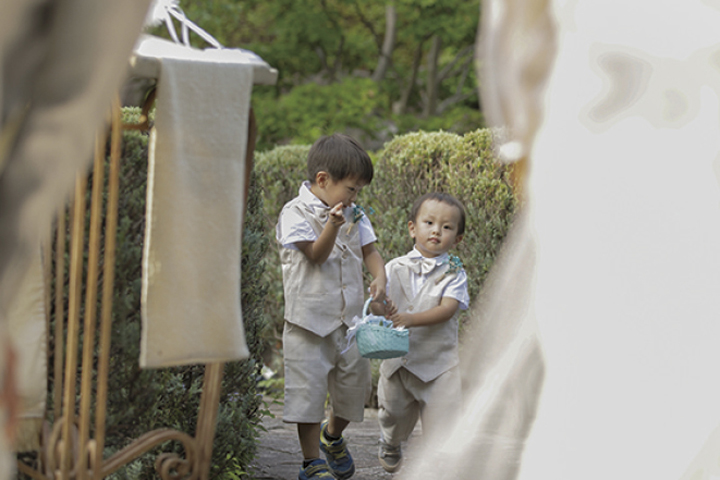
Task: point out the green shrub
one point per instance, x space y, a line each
409 166
311 110
280 172
459 119
356 106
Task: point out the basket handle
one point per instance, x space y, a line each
385 322
365 308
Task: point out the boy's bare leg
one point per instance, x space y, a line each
336 426
309 435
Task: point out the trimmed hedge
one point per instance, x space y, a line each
280 172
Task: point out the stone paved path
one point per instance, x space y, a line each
279 456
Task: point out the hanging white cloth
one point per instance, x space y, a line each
195 206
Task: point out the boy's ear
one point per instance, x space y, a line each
458 239
321 179
411 229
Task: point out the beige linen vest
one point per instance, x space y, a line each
320 298
434 348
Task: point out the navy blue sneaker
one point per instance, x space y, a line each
317 470
338 456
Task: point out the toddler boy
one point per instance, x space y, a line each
323 248
427 288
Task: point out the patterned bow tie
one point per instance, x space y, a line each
422 265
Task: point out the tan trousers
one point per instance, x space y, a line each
403 398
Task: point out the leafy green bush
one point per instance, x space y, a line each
409 166
143 400
311 110
460 119
354 106
280 172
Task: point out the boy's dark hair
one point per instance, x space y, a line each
341 156
440 197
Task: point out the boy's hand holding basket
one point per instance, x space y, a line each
377 338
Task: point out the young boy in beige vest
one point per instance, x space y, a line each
427 288
325 240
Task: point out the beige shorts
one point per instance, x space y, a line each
315 367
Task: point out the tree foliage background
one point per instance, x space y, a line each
371 68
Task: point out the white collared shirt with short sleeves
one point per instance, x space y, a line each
456 289
293 228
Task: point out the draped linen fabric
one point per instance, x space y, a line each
195 208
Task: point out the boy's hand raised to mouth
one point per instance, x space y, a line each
336 215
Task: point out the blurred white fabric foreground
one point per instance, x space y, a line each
627 217
61 62
27 330
624 227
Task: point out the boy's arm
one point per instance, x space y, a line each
441 313
319 250
376 267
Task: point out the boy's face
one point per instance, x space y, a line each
435 229
332 192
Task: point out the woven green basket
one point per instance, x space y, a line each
376 338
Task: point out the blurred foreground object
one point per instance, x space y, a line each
595 353
62 60
70 441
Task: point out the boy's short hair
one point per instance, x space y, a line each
341 156
440 197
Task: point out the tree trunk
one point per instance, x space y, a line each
432 77
388 43
401 106
458 96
